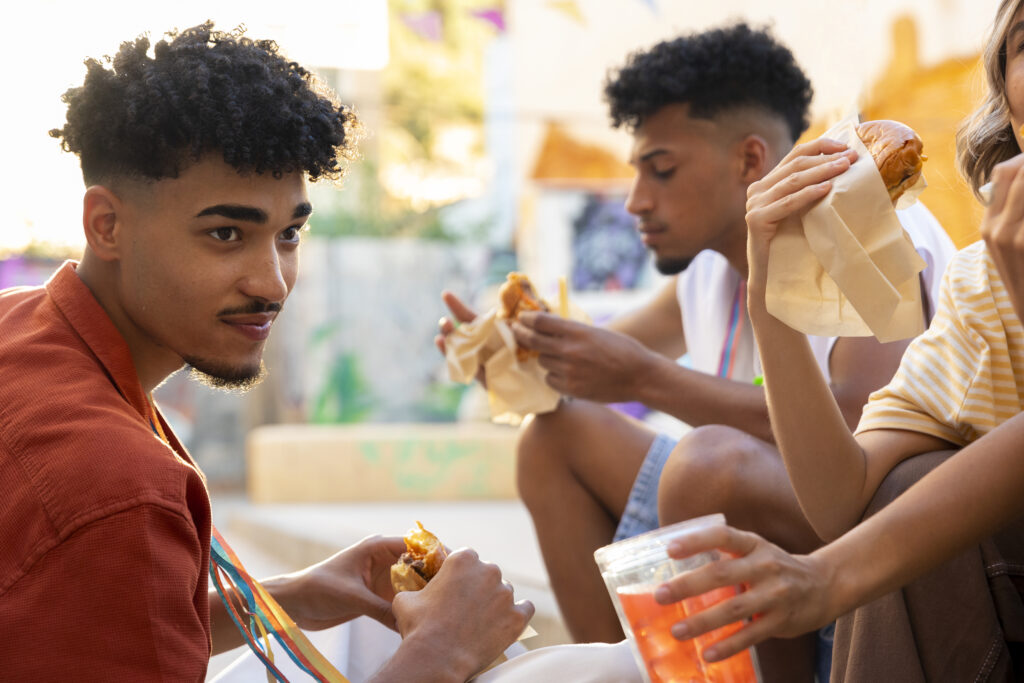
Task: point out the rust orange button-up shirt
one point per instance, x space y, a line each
104 529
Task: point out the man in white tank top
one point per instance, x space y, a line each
710 113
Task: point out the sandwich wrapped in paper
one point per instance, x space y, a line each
515 379
846 267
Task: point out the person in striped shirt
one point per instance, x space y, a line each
929 584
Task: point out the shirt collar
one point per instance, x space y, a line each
81 309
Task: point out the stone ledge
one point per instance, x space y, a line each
375 462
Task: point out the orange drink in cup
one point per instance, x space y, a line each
665 658
740 667
632 570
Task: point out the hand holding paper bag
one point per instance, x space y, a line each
516 385
846 267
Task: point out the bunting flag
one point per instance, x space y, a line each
426 25
494 16
570 8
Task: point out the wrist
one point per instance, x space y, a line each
419 658
646 378
839 578
287 590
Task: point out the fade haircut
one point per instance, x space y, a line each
204 92
714 71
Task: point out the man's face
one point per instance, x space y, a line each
686 194
209 259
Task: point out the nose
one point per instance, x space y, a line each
639 200
269 275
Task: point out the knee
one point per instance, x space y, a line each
539 451
703 473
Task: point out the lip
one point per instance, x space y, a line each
255 327
649 237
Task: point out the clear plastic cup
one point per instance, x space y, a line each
633 569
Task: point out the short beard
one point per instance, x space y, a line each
238 380
672 266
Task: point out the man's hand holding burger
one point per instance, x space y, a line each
584 361
467 614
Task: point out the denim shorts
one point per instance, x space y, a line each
641 513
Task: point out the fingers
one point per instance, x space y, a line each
750 634
445 327
526 608
460 310
805 153
536 340
713 537
548 323
794 186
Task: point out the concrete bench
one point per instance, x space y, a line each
375 462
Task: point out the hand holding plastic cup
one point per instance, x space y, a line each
632 570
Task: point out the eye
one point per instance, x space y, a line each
292 233
225 234
664 174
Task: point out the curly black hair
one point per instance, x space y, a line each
713 71
204 91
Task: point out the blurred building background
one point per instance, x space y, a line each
488 149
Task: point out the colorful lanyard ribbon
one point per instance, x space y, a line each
727 361
255 613
258 615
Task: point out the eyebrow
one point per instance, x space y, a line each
250 214
653 153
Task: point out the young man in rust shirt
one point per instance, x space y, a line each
195 156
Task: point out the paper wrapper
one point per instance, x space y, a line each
847 268
528 632
514 389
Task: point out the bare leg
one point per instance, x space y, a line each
721 469
576 467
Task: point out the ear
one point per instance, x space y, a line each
752 153
101 219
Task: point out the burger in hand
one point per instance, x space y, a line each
420 562
896 150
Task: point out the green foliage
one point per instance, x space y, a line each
427 82
365 209
440 402
345 396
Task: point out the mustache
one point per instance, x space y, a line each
254 306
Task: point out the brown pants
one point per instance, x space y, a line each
963 621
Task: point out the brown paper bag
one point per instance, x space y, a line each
846 267
514 389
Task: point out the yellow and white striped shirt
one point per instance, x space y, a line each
964 376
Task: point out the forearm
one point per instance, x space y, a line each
825 463
963 501
223 630
698 398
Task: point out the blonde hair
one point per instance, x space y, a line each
986 137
